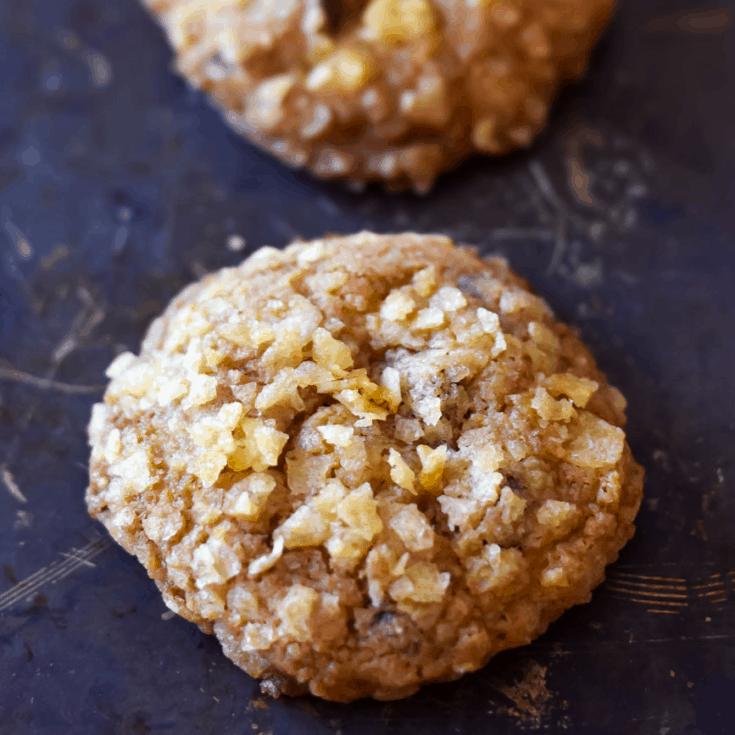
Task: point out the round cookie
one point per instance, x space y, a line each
383 90
365 463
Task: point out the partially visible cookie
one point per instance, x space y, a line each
366 463
383 90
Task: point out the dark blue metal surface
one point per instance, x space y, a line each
118 186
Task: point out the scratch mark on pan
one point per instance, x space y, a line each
690 638
547 190
669 603
521 233
709 21
663 612
89 316
56 565
711 590
707 586
19 376
545 185
74 554
560 246
22 245
680 580
65 348
11 485
669 595
646 585
658 565
54 572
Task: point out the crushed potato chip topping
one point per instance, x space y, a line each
418 442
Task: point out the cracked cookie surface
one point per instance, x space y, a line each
365 463
386 90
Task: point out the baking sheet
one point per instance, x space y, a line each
119 185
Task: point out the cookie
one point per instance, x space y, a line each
389 90
365 463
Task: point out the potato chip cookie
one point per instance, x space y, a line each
383 90
365 463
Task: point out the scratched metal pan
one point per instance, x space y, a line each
118 186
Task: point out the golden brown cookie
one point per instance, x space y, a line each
386 90
366 463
